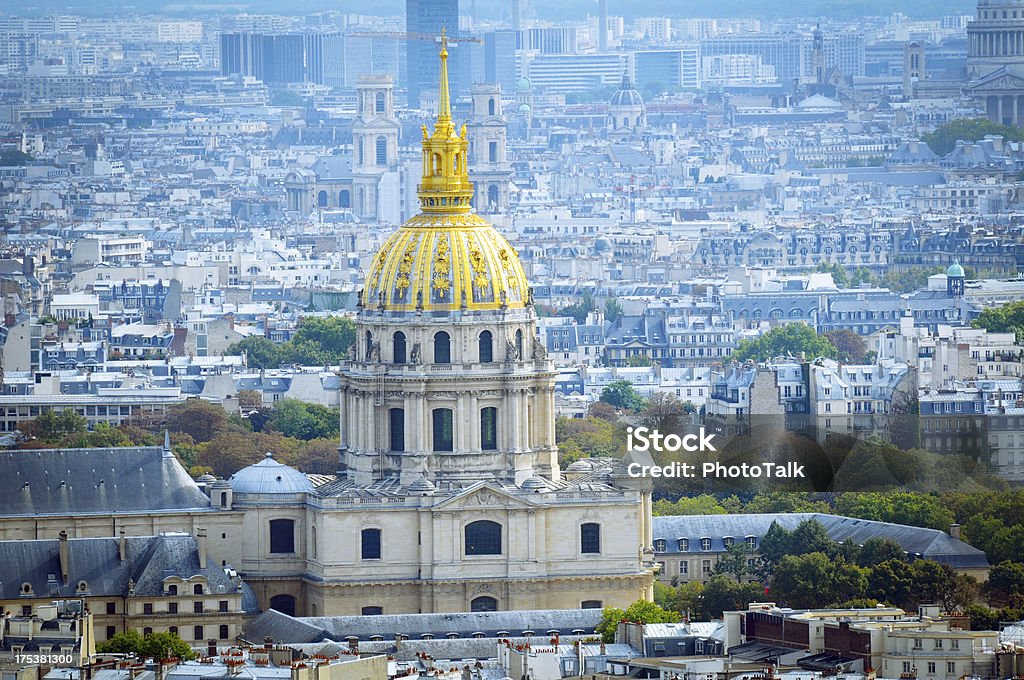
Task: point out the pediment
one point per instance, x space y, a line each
998 80
482 496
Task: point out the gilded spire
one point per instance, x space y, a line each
444 103
445 187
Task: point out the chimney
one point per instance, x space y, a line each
62 544
954 531
122 546
201 547
268 642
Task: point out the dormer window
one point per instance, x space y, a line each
683 544
728 541
659 545
751 542
705 544
26 588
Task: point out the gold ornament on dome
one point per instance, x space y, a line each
442 266
405 269
378 264
476 261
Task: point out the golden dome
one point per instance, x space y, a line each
445 258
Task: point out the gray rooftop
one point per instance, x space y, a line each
87 481
928 543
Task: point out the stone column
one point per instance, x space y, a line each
999 109
474 422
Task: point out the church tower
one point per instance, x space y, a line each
375 141
488 135
447 327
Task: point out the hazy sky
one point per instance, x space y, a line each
544 9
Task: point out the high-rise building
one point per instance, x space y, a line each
282 58
500 59
671 68
782 51
422 18
576 72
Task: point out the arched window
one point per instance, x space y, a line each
436 163
455 163
284 604
492 196
444 439
442 348
369 344
398 343
483 537
484 603
379 103
382 150
282 536
396 425
321 199
312 540
172 589
489 428
590 538
490 106
147 631
370 544
519 344
344 199
197 589
486 347
223 498
361 154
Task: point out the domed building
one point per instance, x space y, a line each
449 495
626 109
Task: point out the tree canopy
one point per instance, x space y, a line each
944 138
790 339
622 394
152 646
640 611
1005 319
319 341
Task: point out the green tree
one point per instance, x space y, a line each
594 437
849 345
791 339
621 394
152 646
892 581
944 138
198 418
915 509
877 549
302 420
1005 583
52 426
1008 318
734 562
666 413
801 580
612 310
9 157
334 335
722 594
780 501
705 504
259 352
640 611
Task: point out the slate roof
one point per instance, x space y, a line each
149 560
285 629
87 481
928 543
